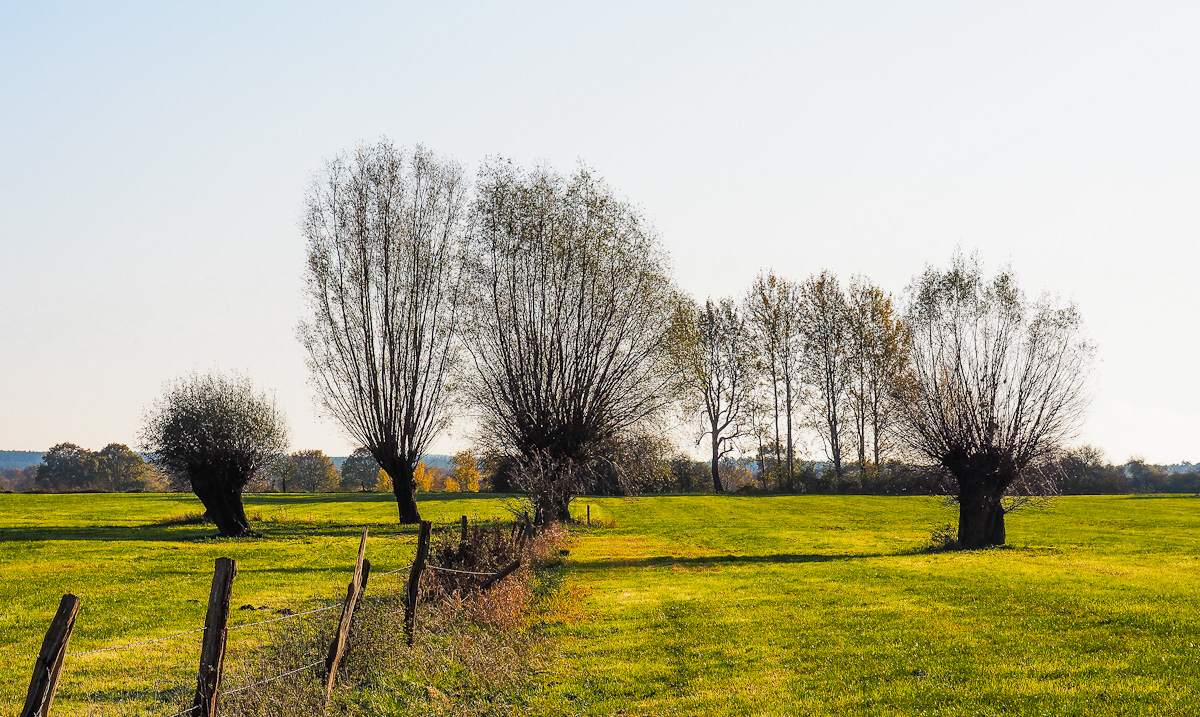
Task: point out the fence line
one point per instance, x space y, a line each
135 644
406 567
461 572
271 679
202 629
206 701
283 617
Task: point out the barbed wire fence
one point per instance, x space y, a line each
209 690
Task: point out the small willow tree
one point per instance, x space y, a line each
569 329
384 231
993 389
216 432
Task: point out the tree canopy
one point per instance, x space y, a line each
216 431
993 389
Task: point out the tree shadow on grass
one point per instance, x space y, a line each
359 497
667 561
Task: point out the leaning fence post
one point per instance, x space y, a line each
49 662
212 652
463 537
358 583
589 514
414 581
505 572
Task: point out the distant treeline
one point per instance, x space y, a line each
643 466
69 468
647 466
1080 471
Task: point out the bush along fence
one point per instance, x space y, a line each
206 702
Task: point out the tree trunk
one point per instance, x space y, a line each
875 435
552 503
790 453
862 444
835 445
404 487
775 391
980 520
716 464
223 506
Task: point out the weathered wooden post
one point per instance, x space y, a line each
521 537
589 514
212 652
48 665
414 581
463 538
505 572
358 583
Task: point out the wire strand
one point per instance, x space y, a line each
189 710
461 572
380 575
283 617
136 644
272 679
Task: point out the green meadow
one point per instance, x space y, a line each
141 575
708 605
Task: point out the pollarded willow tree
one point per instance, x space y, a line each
994 387
570 328
385 230
216 432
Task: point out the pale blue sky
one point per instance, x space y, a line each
154 161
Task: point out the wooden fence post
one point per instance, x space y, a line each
505 572
463 538
49 662
521 537
358 583
212 653
414 581
589 514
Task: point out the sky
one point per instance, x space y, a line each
155 158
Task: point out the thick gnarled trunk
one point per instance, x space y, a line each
980 519
224 508
552 508
404 487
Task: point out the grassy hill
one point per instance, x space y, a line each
821 605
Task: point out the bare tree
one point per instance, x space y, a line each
771 313
995 385
824 331
758 416
569 333
718 369
876 359
216 432
384 231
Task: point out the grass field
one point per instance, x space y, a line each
140 577
820 605
708 605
